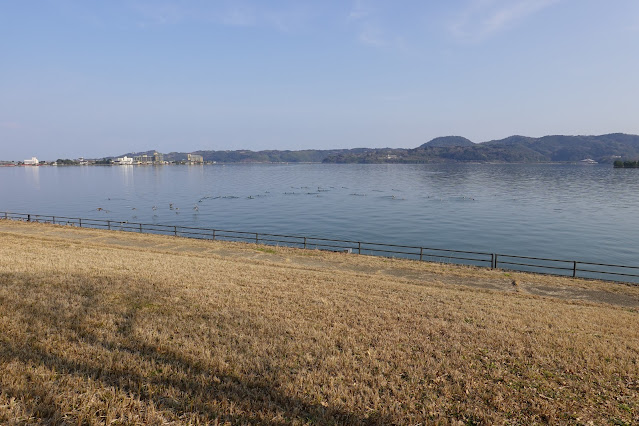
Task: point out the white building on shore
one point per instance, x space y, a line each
194 159
32 162
123 161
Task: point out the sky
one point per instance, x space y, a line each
89 78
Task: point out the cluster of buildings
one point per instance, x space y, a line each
30 162
144 159
195 159
155 158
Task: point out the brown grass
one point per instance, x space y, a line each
108 327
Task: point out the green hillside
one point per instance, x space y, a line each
513 149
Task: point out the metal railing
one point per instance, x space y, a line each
571 268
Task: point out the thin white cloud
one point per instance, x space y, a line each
160 13
367 18
484 18
372 36
229 13
239 16
360 10
10 125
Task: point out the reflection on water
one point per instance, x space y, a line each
126 174
32 175
561 211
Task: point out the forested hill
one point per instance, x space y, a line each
448 141
517 149
268 156
513 149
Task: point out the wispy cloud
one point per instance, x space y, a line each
238 13
10 125
372 35
367 17
360 10
239 16
160 13
484 18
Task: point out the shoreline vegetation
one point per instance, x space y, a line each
113 327
626 164
513 149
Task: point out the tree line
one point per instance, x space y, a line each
618 164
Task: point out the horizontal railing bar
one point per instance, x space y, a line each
471 258
463 258
536 266
535 258
153 227
364 243
234 238
607 264
264 234
217 230
607 273
425 255
425 248
190 233
280 241
196 238
389 251
332 246
300 240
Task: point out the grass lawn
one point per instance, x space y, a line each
120 328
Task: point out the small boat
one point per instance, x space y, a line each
588 161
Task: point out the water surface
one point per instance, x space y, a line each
587 213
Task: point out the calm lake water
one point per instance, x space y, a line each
588 213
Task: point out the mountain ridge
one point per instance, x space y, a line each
512 149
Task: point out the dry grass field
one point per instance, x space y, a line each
100 327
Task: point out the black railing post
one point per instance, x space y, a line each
495 257
28 218
359 248
80 221
109 224
175 231
305 242
421 253
214 234
492 261
574 269
140 228
256 238
53 219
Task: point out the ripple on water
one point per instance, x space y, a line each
541 210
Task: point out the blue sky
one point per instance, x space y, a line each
94 78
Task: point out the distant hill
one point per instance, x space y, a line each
513 149
267 156
575 148
448 141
